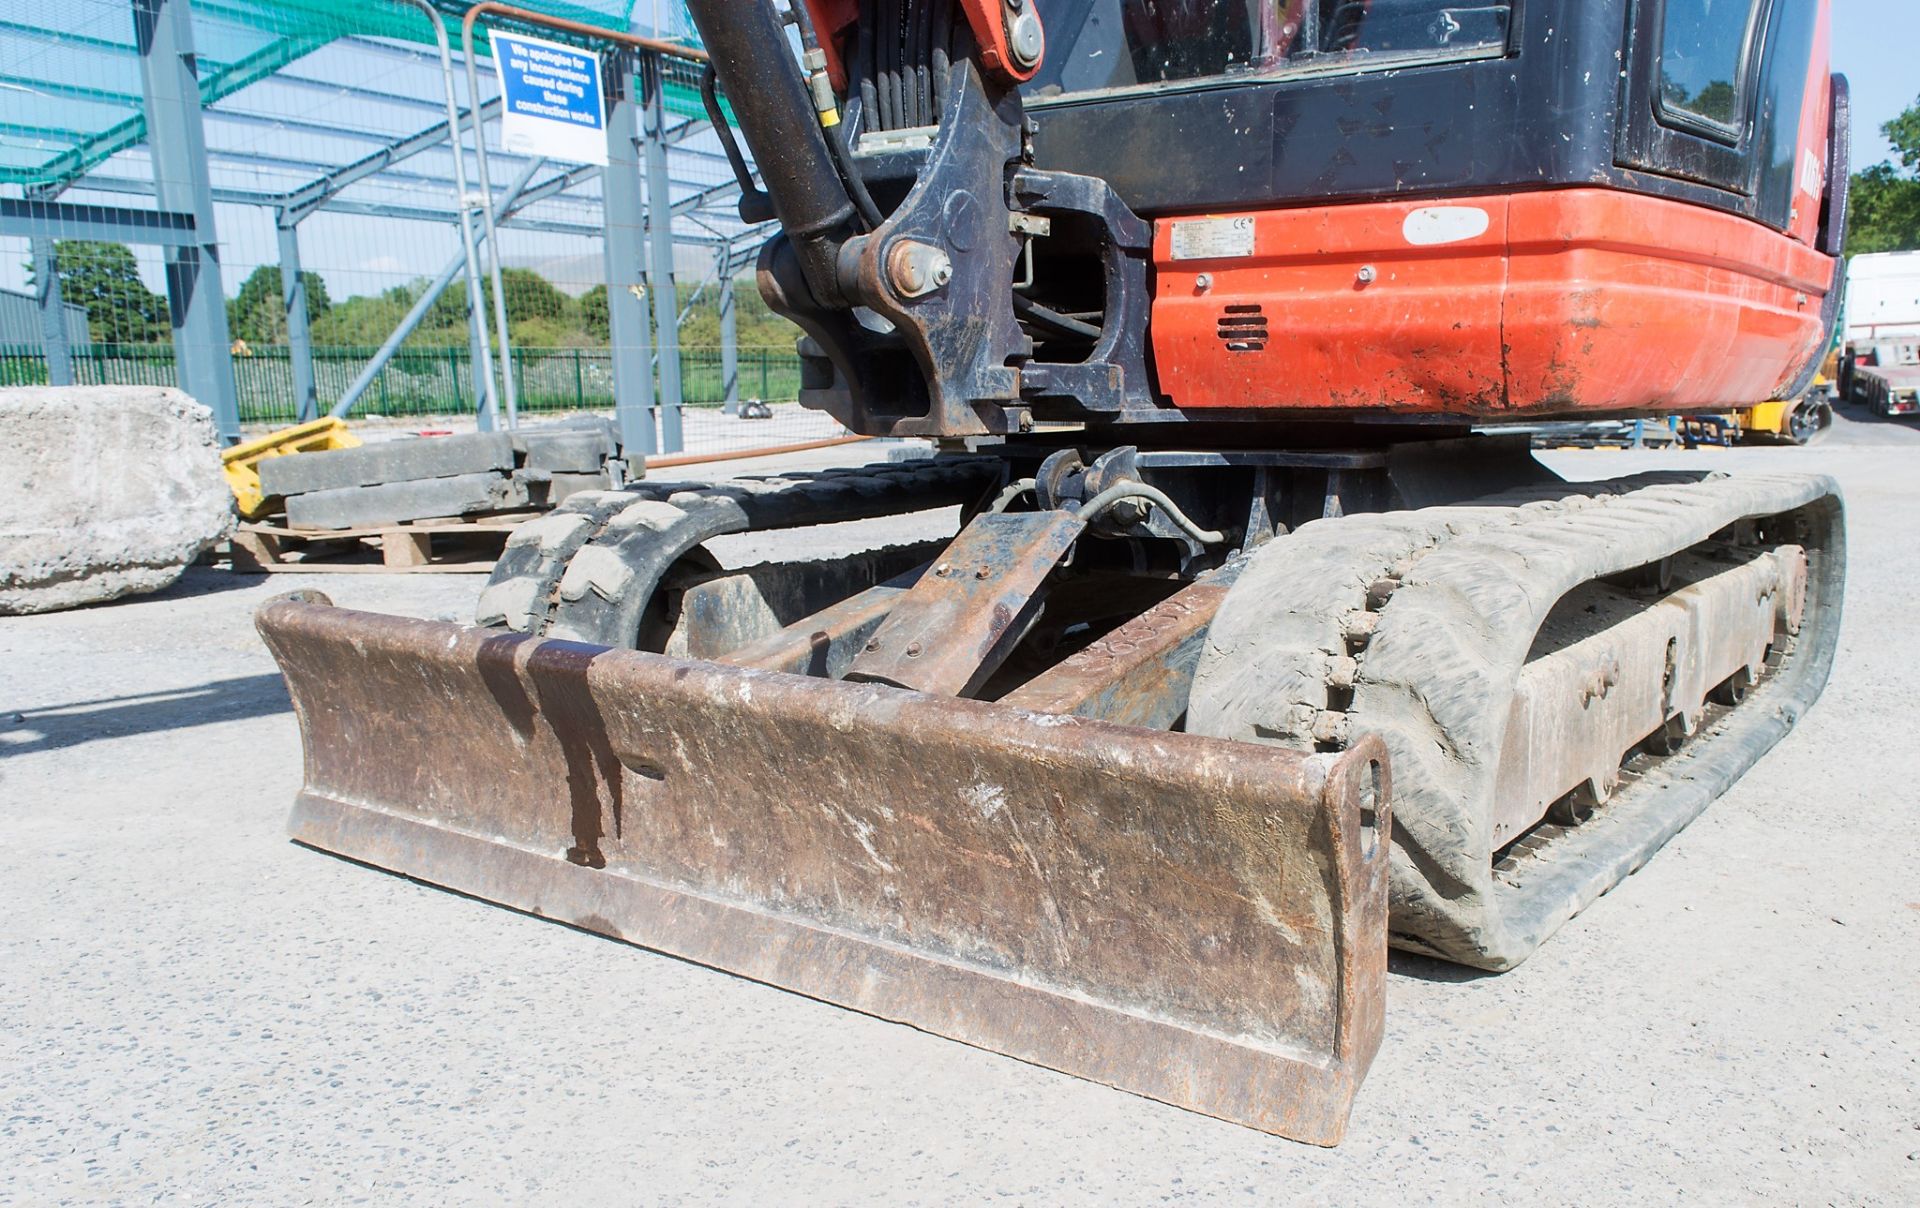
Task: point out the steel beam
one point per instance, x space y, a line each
142 226
276 121
34 219
59 134
293 294
53 313
163 32
307 167
729 341
627 325
69 92
687 127
222 79
666 305
61 37
338 90
309 197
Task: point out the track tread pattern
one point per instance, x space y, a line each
587 570
1458 593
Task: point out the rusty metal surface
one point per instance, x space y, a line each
1198 921
824 644
1140 673
717 612
962 619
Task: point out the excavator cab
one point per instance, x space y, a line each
1252 653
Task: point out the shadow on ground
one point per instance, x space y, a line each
1431 969
203 581
55 727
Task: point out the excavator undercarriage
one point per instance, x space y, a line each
1169 718
1147 828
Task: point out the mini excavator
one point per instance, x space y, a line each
1255 649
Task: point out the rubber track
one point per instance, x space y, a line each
587 570
1457 595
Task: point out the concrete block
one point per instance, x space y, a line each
563 485
545 488
566 452
109 491
387 461
392 502
572 424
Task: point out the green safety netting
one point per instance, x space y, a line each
69 74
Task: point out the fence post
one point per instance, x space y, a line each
453 369
579 384
764 390
53 313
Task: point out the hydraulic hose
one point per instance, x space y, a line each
1154 495
748 46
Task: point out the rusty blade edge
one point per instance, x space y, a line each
1186 1061
1279 1093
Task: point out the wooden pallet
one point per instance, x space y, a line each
450 545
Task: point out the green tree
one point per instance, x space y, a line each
105 279
1904 133
540 316
257 313
593 316
1884 210
365 320
530 297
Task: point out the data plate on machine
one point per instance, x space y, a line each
1212 238
1195 920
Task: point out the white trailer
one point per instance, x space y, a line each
1880 329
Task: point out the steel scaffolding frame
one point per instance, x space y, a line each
182 91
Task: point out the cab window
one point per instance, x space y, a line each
1704 48
1102 44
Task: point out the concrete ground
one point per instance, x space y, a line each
192 1010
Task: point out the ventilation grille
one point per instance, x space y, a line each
1243 328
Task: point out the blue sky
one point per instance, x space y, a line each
1876 45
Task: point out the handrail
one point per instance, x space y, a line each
692 54
492 250
483 369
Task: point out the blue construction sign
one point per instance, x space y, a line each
553 103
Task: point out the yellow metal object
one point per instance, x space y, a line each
1769 417
1774 418
239 462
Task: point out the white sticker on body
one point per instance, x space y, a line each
1429 225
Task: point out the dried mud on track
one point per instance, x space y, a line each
194 1010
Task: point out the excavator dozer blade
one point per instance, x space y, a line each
1195 920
